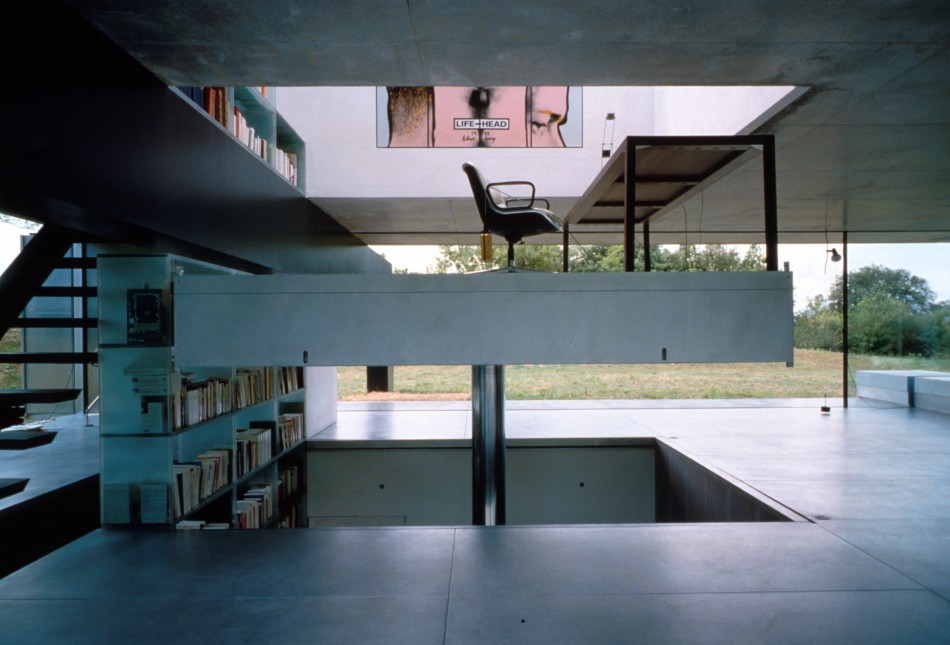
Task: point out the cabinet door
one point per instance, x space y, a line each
389 487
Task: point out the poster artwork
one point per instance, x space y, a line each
479 117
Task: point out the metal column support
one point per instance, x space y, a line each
771 203
844 318
647 264
565 250
630 207
488 445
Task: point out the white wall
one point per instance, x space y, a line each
685 111
339 126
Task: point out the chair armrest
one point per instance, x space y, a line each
530 200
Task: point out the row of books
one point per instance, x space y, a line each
255 507
291 518
252 386
290 430
289 379
253 447
213 100
286 164
197 401
216 102
281 160
288 482
199 479
247 135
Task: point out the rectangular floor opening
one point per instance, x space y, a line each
550 482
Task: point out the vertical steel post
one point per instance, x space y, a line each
488 445
630 205
647 264
565 267
844 318
771 203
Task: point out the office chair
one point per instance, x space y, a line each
501 217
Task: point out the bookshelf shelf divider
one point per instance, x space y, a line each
158 471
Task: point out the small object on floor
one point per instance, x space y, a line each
12 486
17 439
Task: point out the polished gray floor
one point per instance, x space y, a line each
72 456
872 564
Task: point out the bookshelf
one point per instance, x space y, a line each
198 447
249 115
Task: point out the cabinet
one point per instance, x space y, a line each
248 113
190 446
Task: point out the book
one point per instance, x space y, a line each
289 379
253 447
256 505
199 400
290 428
187 487
215 102
153 503
287 479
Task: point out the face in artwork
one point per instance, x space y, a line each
546 112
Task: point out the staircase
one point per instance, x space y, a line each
52 266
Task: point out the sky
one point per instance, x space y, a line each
813 273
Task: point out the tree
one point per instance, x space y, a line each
458 259
590 258
876 280
818 326
890 312
467 259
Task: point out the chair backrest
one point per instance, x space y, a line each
487 200
478 190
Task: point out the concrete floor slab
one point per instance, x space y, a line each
870 566
818 617
692 558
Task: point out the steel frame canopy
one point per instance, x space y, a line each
665 172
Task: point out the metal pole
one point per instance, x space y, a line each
647 265
565 244
771 203
630 206
844 318
488 445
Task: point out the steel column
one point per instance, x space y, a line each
488 445
565 265
844 318
647 264
630 206
771 203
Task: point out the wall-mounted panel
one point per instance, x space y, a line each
581 485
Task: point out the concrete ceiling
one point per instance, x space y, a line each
866 150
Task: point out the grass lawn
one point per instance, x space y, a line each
10 374
816 374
